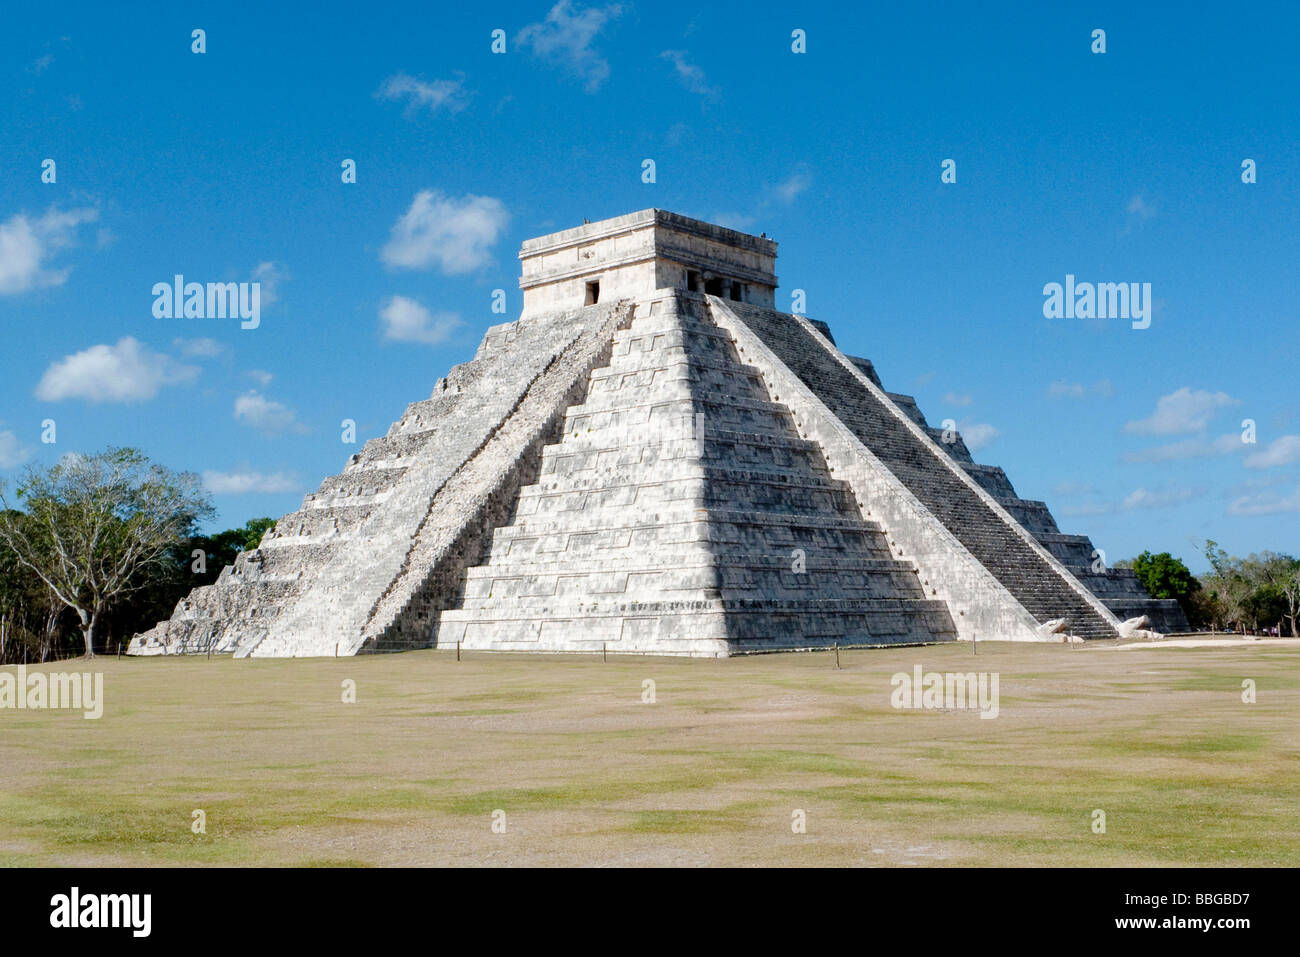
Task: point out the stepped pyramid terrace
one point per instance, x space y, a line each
654 460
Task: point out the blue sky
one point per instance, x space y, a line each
1123 166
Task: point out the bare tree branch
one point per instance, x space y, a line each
94 524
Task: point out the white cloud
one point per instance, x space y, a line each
1074 488
267 415
1066 390
1281 451
1140 209
690 75
1137 500
1141 498
1266 504
260 376
125 372
788 190
269 275
246 482
565 37
1090 508
454 234
406 320
1181 412
12 452
433 95
959 399
783 193
26 244
1060 389
1188 449
199 348
978 435
733 220
1254 483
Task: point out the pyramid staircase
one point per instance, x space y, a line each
681 513
325 578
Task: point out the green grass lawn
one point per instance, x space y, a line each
710 773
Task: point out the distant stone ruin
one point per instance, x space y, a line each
653 460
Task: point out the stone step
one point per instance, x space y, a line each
755 624
800 492
703 577
813 562
680 521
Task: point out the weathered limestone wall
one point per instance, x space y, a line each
1117 588
481 496
1041 584
631 256
437 501
666 518
308 582
981 607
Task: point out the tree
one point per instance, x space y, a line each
96 525
1275 589
1164 576
1260 590
31 618
1291 592
1277 592
1227 585
1203 609
33 622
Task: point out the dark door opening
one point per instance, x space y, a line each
593 293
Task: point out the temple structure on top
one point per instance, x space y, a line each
654 460
629 257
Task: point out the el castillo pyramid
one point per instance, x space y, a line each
652 459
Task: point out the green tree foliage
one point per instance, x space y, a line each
1277 592
32 621
36 625
98 528
1253 593
1164 576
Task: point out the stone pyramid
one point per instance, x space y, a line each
654 460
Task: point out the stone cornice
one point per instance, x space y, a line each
643 219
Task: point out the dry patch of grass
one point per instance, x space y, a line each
711 773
